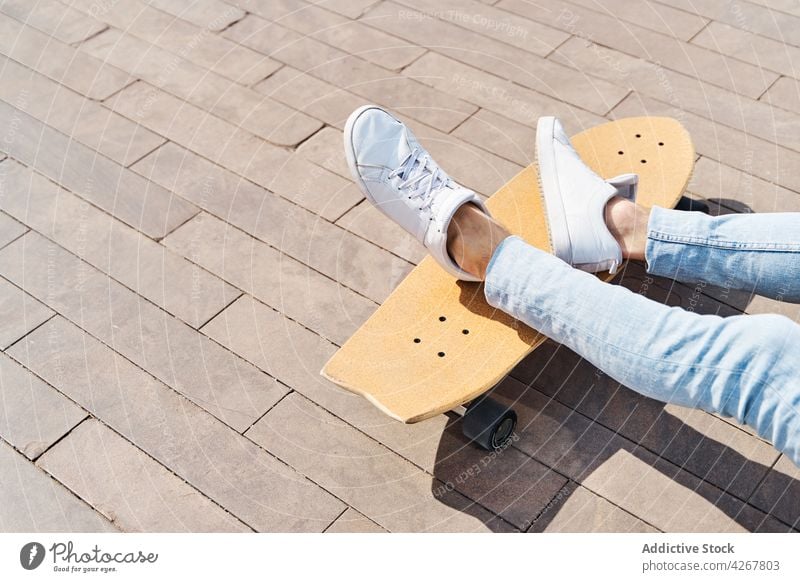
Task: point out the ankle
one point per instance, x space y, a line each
627 223
472 238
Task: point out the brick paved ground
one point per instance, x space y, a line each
181 249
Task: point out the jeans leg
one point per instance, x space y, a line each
759 253
745 367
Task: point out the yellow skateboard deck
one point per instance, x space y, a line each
435 344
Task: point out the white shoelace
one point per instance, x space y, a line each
420 177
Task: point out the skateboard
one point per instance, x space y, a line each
435 345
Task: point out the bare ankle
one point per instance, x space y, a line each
627 223
472 238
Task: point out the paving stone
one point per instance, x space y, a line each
370 223
30 501
769 53
288 286
434 108
575 509
353 522
129 488
509 139
748 16
358 470
197 44
482 21
252 485
682 91
507 482
671 499
61 62
310 95
491 92
211 14
212 377
19 313
656 16
784 93
729 146
324 148
670 52
253 111
779 492
146 267
295 356
33 415
351 8
329 249
60 22
343 33
9 228
274 168
74 115
740 190
505 61
120 192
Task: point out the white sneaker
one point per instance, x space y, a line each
575 200
398 176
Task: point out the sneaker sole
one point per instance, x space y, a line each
549 189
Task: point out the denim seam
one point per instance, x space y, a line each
750 246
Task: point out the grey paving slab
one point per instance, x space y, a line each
254 111
211 14
33 415
19 313
145 266
31 501
261 491
575 509
779 494
358 470
367 80
79 117
129 488
298 233
60 22
78 71
209 375
120 192
9 228
666 50
333 311
180 37
353 522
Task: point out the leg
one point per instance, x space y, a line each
745 367
759 253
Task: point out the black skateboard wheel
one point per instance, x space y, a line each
488 423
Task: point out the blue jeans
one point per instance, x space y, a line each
746 367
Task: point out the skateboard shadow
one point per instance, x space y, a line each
592 455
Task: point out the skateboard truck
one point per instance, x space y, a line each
487 422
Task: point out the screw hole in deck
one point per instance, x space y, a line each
638 135
465 331
417 340
441 354
644 161
661 143
620 152
442 318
